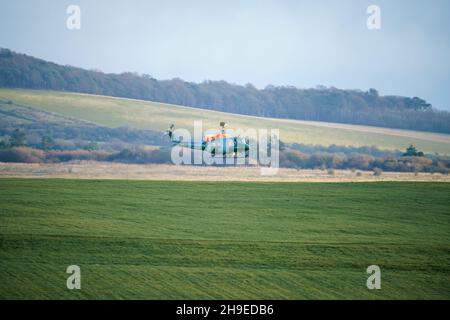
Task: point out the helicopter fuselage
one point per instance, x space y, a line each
224 146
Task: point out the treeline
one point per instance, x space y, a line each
347 150
319 104
359 161
34 136
33 155
289 158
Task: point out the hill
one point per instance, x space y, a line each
117 112
319 104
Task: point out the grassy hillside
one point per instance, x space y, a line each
152 240
115 112
325 104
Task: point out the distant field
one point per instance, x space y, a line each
204 240
115 112
165 172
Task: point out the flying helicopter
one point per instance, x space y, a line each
221 144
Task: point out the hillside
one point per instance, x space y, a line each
117 112
319 104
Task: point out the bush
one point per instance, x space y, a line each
22 154
293 159
4 144
360 161
70 155
17 138
324 160
377 172
141 156
92 146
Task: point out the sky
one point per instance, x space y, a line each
296 43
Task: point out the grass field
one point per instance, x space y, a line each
116 112
201 240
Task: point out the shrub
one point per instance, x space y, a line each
360 161
141 156
324 160
70 155
4 144
22 154
291 158
377 171
17 138
47 142
91 146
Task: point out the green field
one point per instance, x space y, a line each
203 240
115 112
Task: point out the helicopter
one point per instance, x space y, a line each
221 144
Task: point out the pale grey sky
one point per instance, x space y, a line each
300 43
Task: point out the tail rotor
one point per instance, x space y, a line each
169 131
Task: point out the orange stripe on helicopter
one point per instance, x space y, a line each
217 136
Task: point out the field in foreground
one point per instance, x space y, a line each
117 112
201 240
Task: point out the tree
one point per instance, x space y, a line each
373 93
319 104
4 144
17 139
47 142
5 53
92 146
411 151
